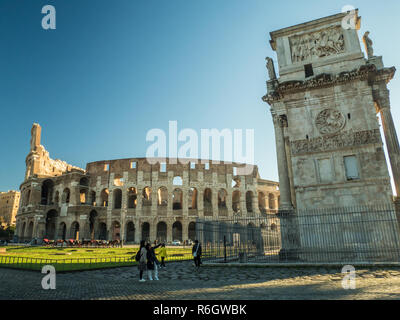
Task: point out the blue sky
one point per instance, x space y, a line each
112 70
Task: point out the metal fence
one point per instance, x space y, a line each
337 235
75 264
16 262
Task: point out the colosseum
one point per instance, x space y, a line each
131 200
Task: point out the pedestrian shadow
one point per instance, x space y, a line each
247 291
181 281
255 284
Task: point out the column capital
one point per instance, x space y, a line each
381 98
280 120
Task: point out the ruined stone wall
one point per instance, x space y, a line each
113 198
38 161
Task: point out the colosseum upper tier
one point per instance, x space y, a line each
131 199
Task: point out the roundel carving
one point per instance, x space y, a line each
330 121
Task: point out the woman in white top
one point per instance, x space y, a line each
142 261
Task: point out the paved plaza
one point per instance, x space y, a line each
181 281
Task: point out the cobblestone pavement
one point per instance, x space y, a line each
181 281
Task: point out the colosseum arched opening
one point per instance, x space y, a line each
117 201
132 198
50 231
75 228
162 197
22 234
66 195
161 232
116 230
192 200
26 197
84 182
47 192
222 207
207 205
251 232
62 231
192 231
249 201
236 201
177 181
177 231
146 201
84 190
272 201
130 232
262 205
146 231
83 197
57 198
104 197
177 199
92 198
102 233
118 180
92 223
29 234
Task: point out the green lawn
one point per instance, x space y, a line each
70 259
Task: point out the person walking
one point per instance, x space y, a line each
142 260
163 255
196 252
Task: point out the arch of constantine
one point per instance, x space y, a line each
131 200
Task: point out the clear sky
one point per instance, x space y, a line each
112 70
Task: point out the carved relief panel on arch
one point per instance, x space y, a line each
318 44
330 121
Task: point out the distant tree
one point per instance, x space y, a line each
11 231
3 232
7 233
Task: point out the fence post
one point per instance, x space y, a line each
225 248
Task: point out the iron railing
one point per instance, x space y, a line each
74 264
336 235
16 262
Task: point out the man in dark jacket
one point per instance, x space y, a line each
153 260
196 252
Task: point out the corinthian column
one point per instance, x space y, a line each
392 141
280 122
288 220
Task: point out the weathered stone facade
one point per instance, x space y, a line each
324 105
9 204
131 200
